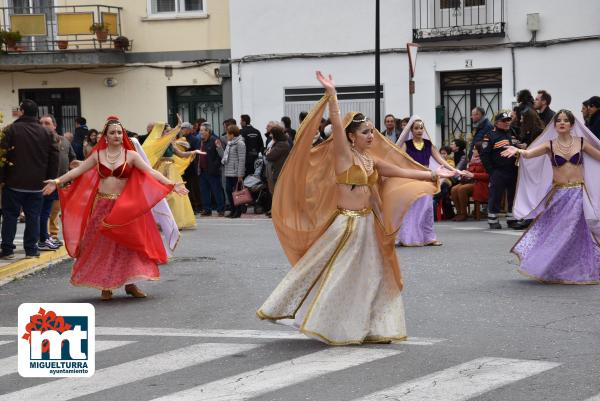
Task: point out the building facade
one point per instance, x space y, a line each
472 53
176 60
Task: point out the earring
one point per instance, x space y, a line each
352 144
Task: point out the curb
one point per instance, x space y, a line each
24 267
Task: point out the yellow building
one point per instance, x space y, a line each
177 60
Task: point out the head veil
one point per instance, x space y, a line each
407 135
305 200
130 222
535 179
156 144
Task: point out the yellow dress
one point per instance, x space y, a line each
161 157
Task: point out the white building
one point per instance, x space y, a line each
277 45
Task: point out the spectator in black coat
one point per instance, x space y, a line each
81 132
542 106
594 112
32 158
481 126
209 167
253 140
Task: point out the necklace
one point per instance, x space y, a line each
419 145
566 149
112 159
366 161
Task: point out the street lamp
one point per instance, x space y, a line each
377 70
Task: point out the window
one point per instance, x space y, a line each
444 4
173 7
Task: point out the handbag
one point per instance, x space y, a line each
241 196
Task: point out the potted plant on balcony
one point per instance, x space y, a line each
10 39
62 44
100 30
121 43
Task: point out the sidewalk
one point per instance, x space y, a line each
19 267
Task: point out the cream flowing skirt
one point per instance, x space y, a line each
340 292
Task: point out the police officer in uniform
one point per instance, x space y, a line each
502 170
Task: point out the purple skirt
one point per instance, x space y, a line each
417 226
559 247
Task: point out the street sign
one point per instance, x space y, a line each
411 49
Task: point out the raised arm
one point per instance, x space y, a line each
343 153
589 149
537 151
83 167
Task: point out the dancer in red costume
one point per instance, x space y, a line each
107 220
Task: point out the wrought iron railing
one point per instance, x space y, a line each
435 20
63 28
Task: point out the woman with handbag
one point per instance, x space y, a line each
336 221
234 166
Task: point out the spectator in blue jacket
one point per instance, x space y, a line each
481 126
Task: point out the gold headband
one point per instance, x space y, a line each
360 120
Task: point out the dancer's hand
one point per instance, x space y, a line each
443 172
198 151
49 187
327 83
180 189
179 120
468 174
509 151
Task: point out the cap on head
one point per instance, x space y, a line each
502 116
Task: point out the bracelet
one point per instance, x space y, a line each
56 181
434 176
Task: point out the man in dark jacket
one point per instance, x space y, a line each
253 140
594 113
542 105
481 127
502 170
81 132
191 133
209 167
32 158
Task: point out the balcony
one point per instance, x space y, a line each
60 35
439 20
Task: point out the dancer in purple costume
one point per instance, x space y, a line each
417 226
558 186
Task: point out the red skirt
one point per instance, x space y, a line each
104 263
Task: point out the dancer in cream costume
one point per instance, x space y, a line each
336 219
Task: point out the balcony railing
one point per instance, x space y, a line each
62 28
435 20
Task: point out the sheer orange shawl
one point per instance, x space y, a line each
305 204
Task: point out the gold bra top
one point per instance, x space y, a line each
356 175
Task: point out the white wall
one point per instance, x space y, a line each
565 70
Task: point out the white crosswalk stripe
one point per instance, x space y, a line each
464 381
129 372
594 398
8 365
270 378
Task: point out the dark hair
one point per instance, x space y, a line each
594 101
524 96
545 96
567 113
357 120
233 129
461 144
586 103
80 120
302 115
389 115
480 110
91 131
278 134
478 147
245 118
287 122
51 117
446 149
200 121
532 123
229 121
29 108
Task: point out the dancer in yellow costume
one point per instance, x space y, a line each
166 154
336 209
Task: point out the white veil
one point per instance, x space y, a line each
407 135
535 179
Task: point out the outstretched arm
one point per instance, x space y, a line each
83 167
340 143
591 150
438 158
527 153
137 161
391 170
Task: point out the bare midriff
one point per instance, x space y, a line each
353 199
567 174
112 185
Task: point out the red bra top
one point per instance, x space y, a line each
123 171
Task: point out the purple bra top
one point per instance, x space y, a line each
558 161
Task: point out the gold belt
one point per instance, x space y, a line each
355 213
568 184
102 195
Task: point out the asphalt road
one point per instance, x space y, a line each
478 330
